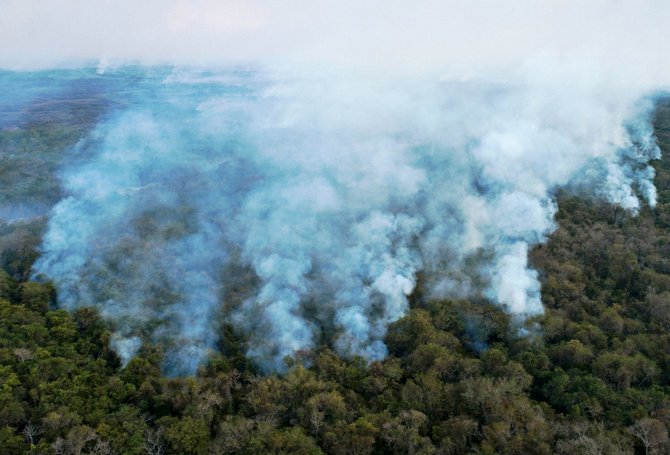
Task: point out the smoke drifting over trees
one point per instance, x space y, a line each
333 192
324 156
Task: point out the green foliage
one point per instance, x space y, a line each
591 375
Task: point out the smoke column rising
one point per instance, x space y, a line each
299 200
334 192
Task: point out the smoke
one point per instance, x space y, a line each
290 168
332 193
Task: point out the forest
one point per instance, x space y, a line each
589 376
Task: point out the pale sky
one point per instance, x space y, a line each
627 36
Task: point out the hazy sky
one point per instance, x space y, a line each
629 36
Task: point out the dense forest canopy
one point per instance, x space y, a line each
316 227
591 374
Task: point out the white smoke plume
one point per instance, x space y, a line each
334 151
334 192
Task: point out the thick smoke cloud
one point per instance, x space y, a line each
324 154
333 193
